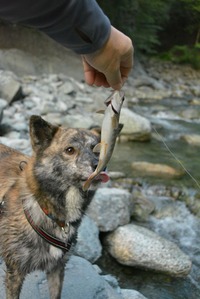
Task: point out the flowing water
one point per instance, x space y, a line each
182 227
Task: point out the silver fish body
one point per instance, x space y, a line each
109 131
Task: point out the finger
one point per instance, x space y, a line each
89 72
114 79
100 80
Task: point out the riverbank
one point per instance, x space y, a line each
157 215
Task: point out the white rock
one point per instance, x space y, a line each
135 126
134 245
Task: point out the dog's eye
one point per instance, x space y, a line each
70 150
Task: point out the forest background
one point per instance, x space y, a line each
170 29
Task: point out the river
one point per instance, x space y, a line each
181 227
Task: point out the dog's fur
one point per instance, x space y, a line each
52 179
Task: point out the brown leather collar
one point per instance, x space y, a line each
46 236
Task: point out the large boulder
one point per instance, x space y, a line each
136 127
10 88
137 246
82 280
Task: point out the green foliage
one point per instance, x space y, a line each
184 55
150 23
140 19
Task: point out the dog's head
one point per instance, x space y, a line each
63 156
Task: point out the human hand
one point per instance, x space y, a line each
111 65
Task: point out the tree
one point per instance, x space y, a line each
140 19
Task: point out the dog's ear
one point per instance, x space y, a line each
96 130
41 133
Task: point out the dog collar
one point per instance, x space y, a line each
46 236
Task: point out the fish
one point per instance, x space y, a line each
109 132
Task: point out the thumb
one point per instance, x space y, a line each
114 79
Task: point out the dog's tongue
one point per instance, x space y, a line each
103 177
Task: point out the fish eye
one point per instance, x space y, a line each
70 150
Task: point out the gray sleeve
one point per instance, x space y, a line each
79 25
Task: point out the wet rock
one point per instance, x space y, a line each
131 294
190 113
110 208
137 246
193 202
114 175
142 207
1 115
193 139
156 170
195 101
195 90
135 127
10 88
88 245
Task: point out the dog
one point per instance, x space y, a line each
42 202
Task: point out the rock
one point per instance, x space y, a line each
142 207
88 245
135 127
193 139
10 88
131 294
156 170
114 175
81 281
66 88
190 113
18 143
1 115
195 90
3 104
18 61
110 208
137 246
78 121
195 101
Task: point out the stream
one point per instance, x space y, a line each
179 225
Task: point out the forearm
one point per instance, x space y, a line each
79 25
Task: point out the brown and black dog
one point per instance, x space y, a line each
42 202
